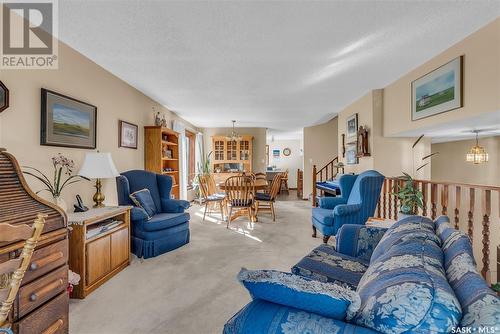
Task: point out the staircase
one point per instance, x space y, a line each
328 172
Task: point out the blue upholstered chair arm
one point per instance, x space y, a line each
346 209
173 205
138 214
358 240
331 202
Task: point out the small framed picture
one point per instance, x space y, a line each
4 97
351 154
352 128
67 122
127 135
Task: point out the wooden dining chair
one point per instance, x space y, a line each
12 271
265 202
260 176
240 192
284 182
210 195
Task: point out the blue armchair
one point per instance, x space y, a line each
165 231
357 202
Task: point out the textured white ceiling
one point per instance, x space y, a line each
282 65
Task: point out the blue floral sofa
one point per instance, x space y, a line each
418 276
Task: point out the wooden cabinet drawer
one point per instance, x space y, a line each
51 318
40 291
46 259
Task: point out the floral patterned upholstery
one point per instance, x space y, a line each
326 265
261 317
405 288
358 241
480 305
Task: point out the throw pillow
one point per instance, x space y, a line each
326 299
142 199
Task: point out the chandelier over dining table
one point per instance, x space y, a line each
234 136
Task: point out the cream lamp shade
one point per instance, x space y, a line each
98 166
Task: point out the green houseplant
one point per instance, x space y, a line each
409 195
203 169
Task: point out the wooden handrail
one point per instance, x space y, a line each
319 173
458 200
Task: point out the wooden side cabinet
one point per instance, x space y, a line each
98 253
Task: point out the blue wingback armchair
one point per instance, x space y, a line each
165 231
357 202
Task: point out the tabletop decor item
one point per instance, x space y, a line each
98 166
67 122
4 97
438 91
63 168
127 135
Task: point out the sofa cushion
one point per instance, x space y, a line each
142 199
260 316
324 216
329 300
326 265
410 228
405 288
163 221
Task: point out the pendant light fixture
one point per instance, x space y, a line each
477 154
233 136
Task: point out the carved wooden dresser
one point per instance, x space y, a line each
42 303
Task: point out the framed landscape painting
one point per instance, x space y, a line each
438 91
351 154
67 122
127 136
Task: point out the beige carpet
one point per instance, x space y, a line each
193 289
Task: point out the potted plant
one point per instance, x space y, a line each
409 196
496 288
63 167
203 169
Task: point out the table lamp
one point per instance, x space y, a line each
98 166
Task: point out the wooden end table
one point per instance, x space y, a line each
97 254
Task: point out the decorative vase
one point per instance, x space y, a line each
57 200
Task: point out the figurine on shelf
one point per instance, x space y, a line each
363 142
157 117
163 121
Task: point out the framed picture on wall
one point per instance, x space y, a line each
4 97
352 128
438 91
127 134
67 122
351 154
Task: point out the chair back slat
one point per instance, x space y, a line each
275 186
11 275
204 186
10 233
240 190
260 176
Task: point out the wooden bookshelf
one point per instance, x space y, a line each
157 141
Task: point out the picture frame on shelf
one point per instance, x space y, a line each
438 91
127 134
352 128
67 122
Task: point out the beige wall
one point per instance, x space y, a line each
390 156
293 162
320 147
82 79
259 143
450 164
481 52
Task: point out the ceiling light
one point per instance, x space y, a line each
477 154
233 136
